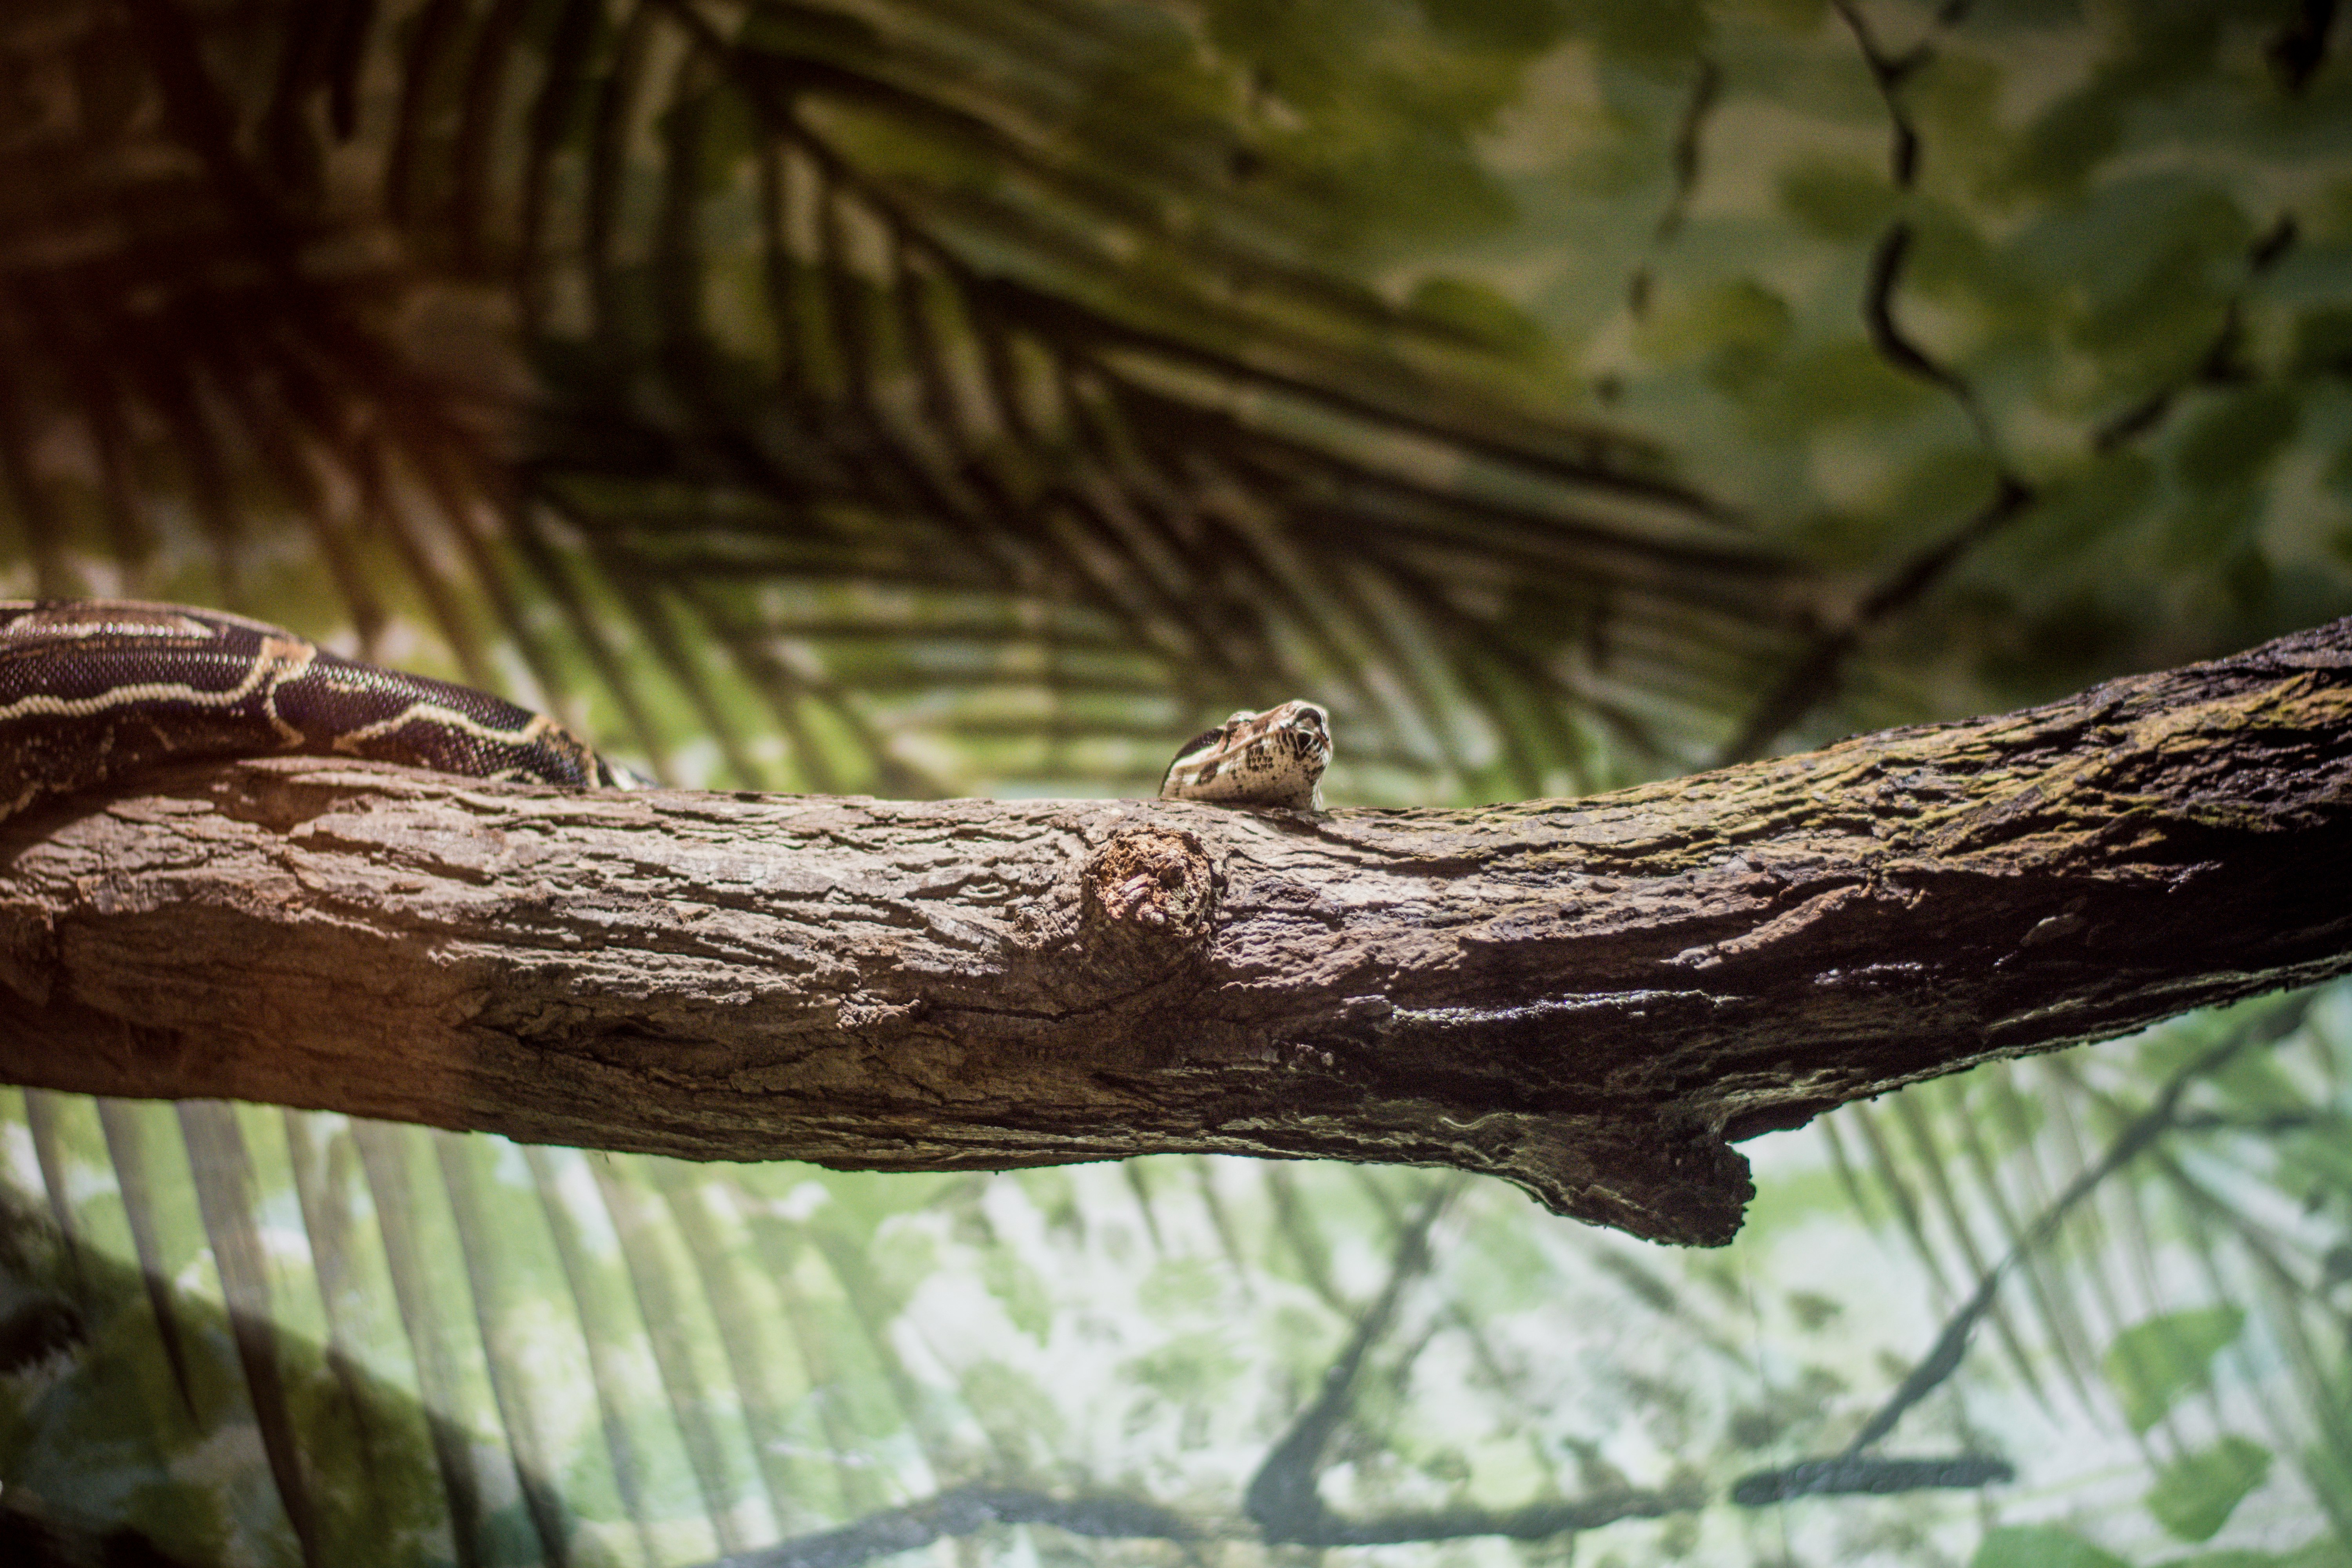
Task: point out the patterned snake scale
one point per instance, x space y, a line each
98 689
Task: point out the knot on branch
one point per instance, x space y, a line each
1150 888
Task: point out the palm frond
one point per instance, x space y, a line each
774 294
2158 1224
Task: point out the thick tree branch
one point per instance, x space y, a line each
1585 997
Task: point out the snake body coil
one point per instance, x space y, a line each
100 689
93 690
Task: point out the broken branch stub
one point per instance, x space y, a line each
1589 998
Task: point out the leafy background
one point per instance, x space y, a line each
966 396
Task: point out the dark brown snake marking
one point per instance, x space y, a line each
100 689
93 690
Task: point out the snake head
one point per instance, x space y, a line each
1273 758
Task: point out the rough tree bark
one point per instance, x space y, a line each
1589 998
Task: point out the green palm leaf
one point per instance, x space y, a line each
964 353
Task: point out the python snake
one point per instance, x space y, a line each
93 690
